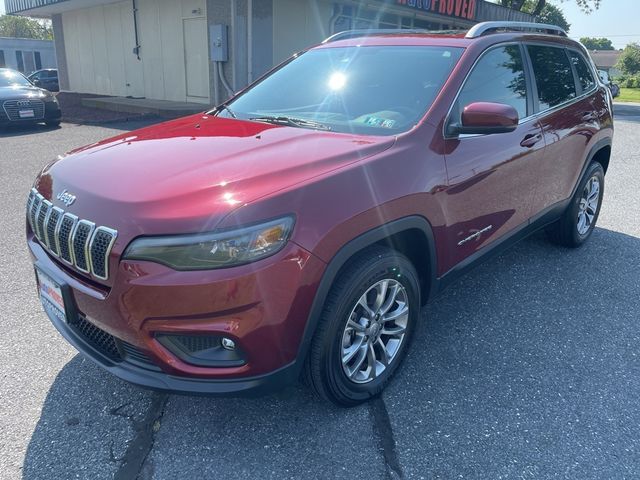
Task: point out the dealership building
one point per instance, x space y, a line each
202 50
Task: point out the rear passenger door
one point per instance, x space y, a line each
564 84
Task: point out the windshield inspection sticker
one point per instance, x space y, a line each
379 122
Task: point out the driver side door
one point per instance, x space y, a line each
492 178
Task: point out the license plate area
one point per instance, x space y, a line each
26 113
54 296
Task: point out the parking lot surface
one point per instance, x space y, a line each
528 367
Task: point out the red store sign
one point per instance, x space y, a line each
453 8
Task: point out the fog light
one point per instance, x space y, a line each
203 350
228 343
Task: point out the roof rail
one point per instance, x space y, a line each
347 34
491 27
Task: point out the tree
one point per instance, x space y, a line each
546 12
593 43
587 6
24 27
554 16
629 61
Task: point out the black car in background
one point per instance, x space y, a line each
46 78
22 102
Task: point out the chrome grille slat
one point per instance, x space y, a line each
80 244
53 219
101 242
12 109
67 226
45 205
33 214
75 241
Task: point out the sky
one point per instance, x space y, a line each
618 20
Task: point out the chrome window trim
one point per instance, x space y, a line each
114 235
74 219
92 227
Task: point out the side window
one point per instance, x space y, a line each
585 76
38 60
497 77
553 74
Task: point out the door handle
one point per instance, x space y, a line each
530 140
589 116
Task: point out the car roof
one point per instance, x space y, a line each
485 33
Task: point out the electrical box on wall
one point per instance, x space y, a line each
219 43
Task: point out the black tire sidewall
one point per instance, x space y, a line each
572 220
390 266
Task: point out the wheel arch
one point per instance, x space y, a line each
412 236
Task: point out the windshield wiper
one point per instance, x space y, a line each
225 106
292 122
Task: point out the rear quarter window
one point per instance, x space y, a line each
553 75
585 75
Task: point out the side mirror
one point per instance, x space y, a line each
485 118
36 82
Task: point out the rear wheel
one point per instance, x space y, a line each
366 326
579 219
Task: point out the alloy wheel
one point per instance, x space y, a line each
588 205
375 331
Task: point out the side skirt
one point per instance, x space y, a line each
544 218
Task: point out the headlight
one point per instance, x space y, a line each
213 250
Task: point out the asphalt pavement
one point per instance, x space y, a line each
526 368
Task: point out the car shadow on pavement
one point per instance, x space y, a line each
22 130
526 366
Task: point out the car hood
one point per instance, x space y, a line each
16 93
186 175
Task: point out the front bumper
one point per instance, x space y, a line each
263 308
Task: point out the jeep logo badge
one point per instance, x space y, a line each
66 198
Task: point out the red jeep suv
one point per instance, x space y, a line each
297 229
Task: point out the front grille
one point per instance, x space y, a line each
13 107
97 338
78 242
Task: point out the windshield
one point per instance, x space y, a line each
377 90
9 78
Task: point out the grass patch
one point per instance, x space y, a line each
628 95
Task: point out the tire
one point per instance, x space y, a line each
576 224
344 383
53 124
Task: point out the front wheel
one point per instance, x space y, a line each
579 219
365 328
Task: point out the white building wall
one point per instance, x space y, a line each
28 46
100 41
297 24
